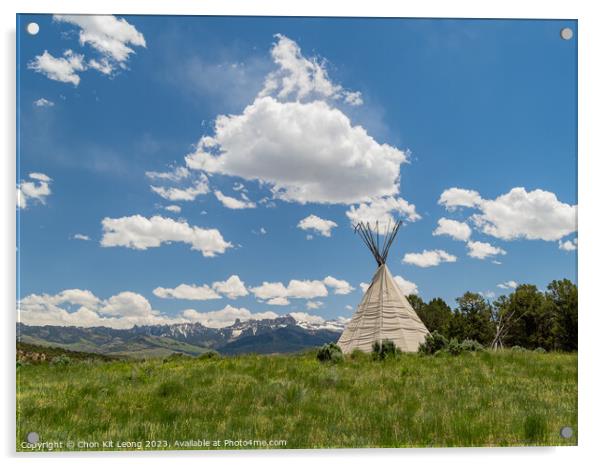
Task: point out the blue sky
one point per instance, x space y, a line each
347 118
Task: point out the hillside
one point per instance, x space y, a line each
504 398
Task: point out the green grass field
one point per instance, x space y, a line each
475 399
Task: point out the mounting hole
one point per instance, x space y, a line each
566 432
566 33
32 29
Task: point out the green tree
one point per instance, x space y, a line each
472 319
562 296
416 302
436 315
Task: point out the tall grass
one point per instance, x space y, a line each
475 399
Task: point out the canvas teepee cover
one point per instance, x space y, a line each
384 312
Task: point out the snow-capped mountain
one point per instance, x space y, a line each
283 334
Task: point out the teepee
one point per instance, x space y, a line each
384 313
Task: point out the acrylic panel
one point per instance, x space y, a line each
279 232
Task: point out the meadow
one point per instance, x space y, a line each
503 398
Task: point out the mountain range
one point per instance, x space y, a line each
283 334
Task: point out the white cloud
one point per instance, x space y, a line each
487 294
568 245
383 211
190 292
364 286
263 231
108 35
453 198
81 237
526 214
42 102
309 237
173 208
340 286
349 307
298 77
233 287
519 213
307 152
82 309
225 317
38 190
314 304
496 262
305 317
320 225
175 174
63 69
457 230
482 250
510 284
428 258
276 293
407 287
232 202
199 187
139 232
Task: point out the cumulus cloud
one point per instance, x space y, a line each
407 287
509 285
42 102
233 287
487 294
339 286
63 69
82 308
428 258
225 317
457 230
319 225
453 198
81 237
38 190
482 250
233 203
535 215
111 37
383 211
138 232
190 292
298 77
568 245
276 293
314 304
307 152
364 286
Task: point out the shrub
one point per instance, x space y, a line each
454 347
384 350
433 343
176 357
357 354
61 360
330 352
539 350
518 348
209 355
471 345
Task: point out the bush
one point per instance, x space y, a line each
357 354
518 348
433 343
384 350
209 355
176 357
471 345
330 352
454 347
539 350
61 360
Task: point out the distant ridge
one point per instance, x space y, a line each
279 335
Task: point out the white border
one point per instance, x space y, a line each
590 154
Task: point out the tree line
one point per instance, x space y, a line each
527 317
